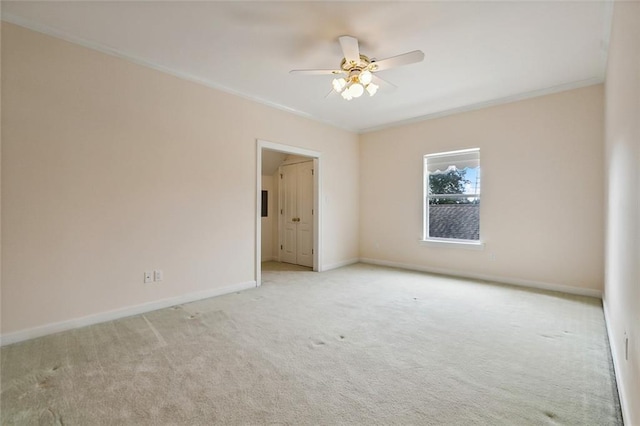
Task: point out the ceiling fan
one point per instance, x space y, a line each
357 72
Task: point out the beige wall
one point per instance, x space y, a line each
542 185
1 25
110 169
622 284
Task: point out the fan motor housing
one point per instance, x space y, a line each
364 63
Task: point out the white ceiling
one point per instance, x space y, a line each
477 53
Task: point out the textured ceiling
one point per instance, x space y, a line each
477 53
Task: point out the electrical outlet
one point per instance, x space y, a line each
147 277
157 275
492 257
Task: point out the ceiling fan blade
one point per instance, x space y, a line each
316 72
383 83
350 49
397 61
331 92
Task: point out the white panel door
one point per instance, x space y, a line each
288 233
304 204
296 198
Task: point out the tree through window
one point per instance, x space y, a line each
452 196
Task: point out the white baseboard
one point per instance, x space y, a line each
340 264
43 330
626 414
518 282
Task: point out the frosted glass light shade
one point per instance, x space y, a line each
365 77
338 84
372 89
356 90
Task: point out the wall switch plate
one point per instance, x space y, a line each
157 275
147 277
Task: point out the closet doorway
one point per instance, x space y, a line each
288 228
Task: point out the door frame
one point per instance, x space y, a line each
317 196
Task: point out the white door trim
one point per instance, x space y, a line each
317 196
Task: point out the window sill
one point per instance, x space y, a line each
463 244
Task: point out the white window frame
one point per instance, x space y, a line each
443 242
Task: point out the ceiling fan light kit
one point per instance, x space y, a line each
355 84
357 71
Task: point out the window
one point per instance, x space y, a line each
452 197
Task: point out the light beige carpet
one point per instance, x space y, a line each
358 345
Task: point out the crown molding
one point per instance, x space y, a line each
43 29
490 103
52 32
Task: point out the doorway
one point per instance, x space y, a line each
301 226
